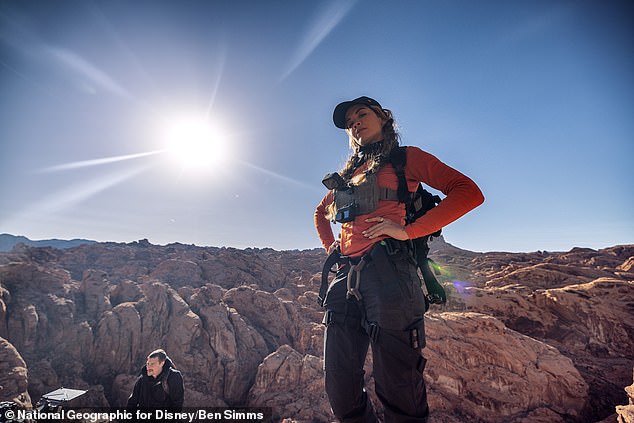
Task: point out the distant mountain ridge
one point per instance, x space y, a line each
8 241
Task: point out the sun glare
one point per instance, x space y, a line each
195 143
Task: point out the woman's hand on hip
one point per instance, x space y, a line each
385 227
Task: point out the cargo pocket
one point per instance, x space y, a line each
390 275
336 295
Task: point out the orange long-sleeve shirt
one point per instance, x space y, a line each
462 194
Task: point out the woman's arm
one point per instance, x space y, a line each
322 224
463 195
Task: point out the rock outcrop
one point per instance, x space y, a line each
497 374
625 413
589 322
291 384
528 337
13 376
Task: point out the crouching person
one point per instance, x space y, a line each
159 386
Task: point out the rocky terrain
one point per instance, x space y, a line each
525 337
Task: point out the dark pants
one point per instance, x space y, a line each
390 316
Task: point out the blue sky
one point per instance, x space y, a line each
532 99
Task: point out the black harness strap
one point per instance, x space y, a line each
333 259
397 158
416 205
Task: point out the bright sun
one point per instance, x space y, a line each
195 143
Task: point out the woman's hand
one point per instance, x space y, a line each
333 246
385 227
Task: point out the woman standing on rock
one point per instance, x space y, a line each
376 295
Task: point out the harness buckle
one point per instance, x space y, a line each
414 338
354 292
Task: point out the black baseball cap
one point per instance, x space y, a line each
339 115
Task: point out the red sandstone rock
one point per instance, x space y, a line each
626 412
13 376
225 316
291 384
495 373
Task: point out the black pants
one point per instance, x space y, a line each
390 316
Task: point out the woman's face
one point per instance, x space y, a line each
364 125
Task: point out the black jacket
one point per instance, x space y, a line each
165 391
